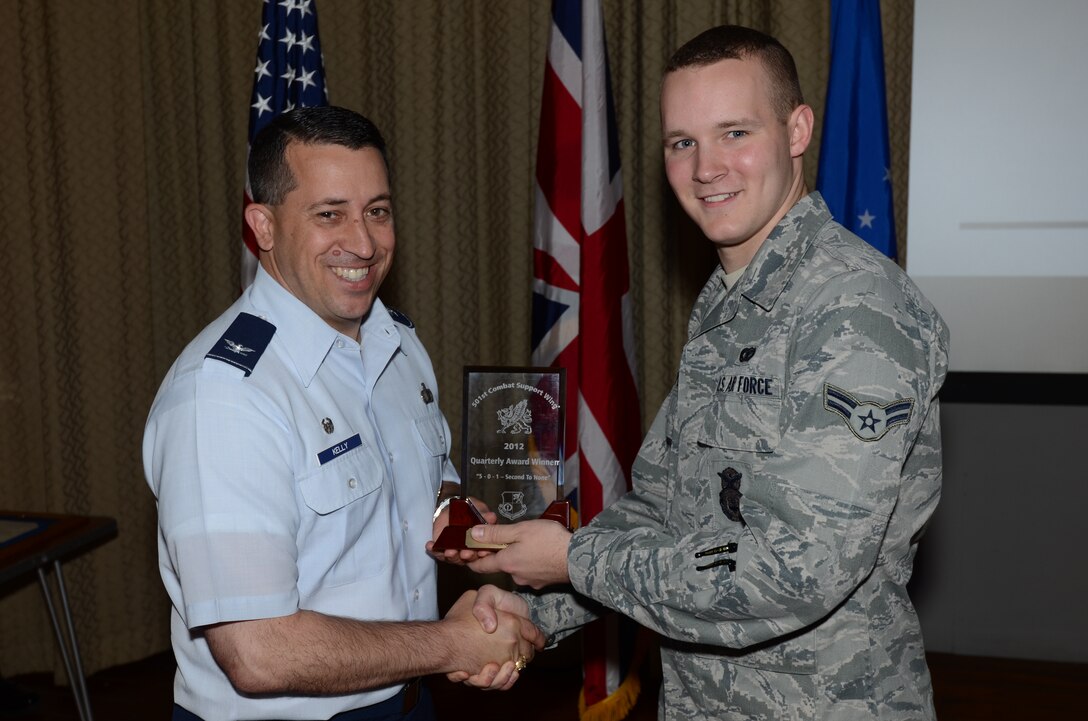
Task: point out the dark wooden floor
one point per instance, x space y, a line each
967 688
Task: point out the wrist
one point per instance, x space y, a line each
446 493
441 507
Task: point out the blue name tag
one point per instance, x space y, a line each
339 449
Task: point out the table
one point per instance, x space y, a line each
32 542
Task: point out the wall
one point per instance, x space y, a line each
1001 570
998 225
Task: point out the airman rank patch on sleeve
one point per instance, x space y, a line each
244 342
400 317
868 421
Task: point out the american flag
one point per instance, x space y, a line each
581 310
289 74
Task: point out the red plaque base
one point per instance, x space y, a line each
463 516
559 511
458 534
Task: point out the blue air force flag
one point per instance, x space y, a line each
854 174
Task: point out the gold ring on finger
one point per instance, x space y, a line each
521 663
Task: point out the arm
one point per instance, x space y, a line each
560 610
234 563
311 653
816 506
538 554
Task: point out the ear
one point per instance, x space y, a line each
800 127
260 220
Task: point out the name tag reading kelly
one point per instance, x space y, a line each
339 449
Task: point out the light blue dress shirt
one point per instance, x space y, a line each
308 483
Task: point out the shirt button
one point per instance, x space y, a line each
339 343
352 483
404 524
390 457
415 596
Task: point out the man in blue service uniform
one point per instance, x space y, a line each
781 491
296 449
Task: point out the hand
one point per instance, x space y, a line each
536 554
453 555
490 600
495 653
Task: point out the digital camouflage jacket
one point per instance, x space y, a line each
781 491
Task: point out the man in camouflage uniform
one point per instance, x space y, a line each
781 491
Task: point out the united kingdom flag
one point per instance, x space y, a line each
581 312
289 74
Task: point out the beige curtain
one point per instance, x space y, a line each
123 143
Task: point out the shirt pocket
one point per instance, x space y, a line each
742 423
747 669
347 537
344 480
733 436
431 435
795 654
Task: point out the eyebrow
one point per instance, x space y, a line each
343 201
726 124
722 125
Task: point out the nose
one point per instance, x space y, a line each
359 240
709 166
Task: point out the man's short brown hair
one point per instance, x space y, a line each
734 42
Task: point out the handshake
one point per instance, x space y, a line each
490 630
492 625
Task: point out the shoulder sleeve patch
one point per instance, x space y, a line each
867 420
400 317
244 342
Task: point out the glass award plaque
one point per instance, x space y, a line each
511 449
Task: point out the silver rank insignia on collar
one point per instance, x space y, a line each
326 424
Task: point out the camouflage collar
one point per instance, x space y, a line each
771 268
776 260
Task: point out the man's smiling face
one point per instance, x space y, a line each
331 241
734 165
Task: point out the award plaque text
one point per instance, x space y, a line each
512 448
